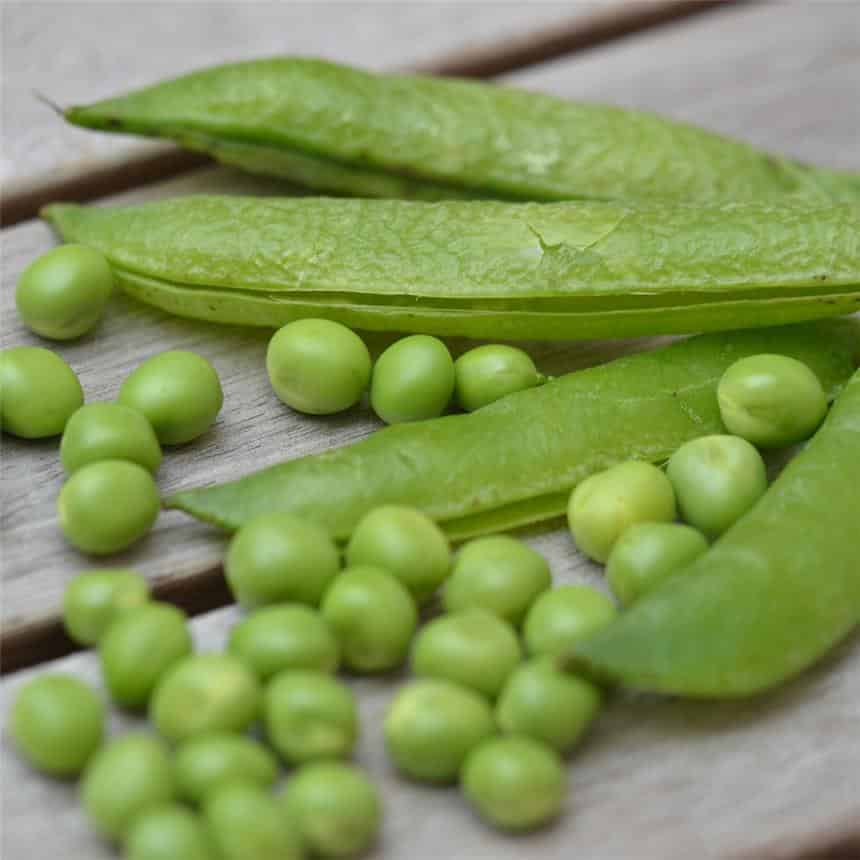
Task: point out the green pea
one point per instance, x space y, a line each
717 479
649 553
412 380
109 431
39 392
138 648
334 807
405 542
310 715
247 823
106 506
63 293
57 723
432 725
551 706
474 648
318 366
486 373
373 616
564 615
604 505
205 693
771 400
515 783
284 637
278 558
168 832
127 777
93 600
179 393
497 573
207 761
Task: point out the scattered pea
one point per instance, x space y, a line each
290 636
405 542
412 380
432 725
373 616
318 366
280 558
649 553
39 392
474 648
205 693
564 615
486 373
63 294
168 832
717 479
310 715
57 723
93 600
604 505
497 573
179 393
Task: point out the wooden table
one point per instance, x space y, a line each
774 778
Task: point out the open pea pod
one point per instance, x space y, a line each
338 129
481 268
770 597
515 461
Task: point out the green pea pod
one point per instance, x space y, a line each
339 129
481 269
769 598
515 461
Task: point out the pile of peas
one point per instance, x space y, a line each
488 708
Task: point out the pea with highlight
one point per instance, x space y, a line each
95 599
487 373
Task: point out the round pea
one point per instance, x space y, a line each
138 648
497 573
108 431
310 715
432 725
412 380
106 506
563 616
551 706
604 505
474 648
57 723
178 392
771 400
207 761
246 822
334 807
93 600
515 783
717 479
39 392
63 293
373 616
205 693
405 542
279 558
126 777
318 366
168 832
284 637
486 373
649 553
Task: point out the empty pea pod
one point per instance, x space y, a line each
481 269
341 129
507 464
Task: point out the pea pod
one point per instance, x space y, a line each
340 129
773 595
481 269
515 461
